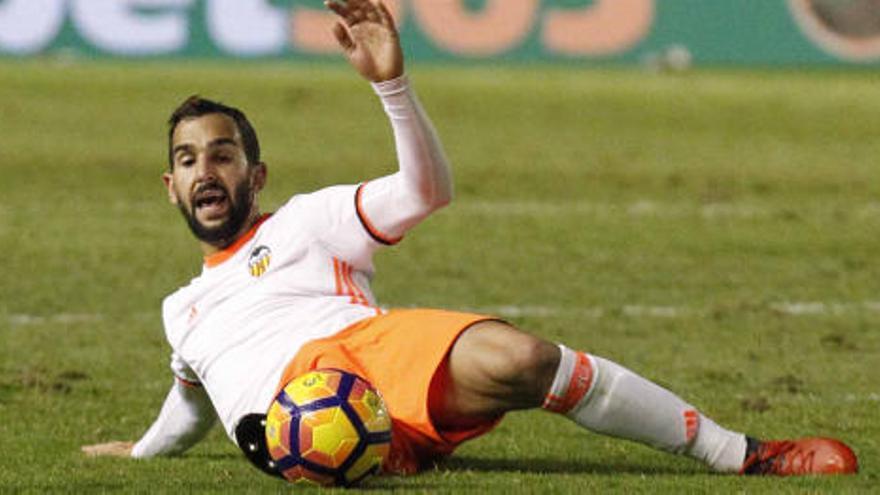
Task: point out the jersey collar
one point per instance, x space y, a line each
216 259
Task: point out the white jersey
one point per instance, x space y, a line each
300 275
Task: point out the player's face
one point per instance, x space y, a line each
211 181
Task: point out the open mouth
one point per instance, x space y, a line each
211 201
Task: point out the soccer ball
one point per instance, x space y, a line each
328 427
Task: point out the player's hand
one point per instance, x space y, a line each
367 35
116 449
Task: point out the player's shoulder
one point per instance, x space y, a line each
317 208
323 196
176 295
182 296
177 299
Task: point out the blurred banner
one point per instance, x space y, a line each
784 32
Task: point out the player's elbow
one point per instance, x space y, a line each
427 200
442 198
434 203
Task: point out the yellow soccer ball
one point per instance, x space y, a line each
328 427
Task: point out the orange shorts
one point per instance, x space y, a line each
398 353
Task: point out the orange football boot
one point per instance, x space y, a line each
805 456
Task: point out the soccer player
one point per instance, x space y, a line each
283 293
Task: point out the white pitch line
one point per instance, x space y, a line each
817 308
642 208
513 311
807 308
871 397
791 308
586 312
25 320
656 311
21 320
637 208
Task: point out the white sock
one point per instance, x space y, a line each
607 398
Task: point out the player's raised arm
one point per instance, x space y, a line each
389 206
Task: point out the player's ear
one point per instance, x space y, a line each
258 177
169 185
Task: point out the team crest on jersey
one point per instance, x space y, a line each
258 261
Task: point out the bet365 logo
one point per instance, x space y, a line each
258 261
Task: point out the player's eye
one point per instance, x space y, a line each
186 161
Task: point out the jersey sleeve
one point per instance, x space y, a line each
183 373
354 220
392 205
330 216
185 418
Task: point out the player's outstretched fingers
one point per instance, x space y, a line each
386 17
342 37
358 11
343 10
372 13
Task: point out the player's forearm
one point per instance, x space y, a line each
424 170
186 416
395 203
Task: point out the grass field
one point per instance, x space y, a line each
715 231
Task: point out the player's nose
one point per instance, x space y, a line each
204 169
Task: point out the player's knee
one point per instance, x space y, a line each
516 360
530 359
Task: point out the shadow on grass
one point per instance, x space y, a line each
459 463
453 465
376 483
557 466
219 456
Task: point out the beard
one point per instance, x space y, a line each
222 235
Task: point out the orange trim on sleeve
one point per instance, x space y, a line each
188 383
219 257
371 229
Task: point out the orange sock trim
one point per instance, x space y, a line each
691 424
578 386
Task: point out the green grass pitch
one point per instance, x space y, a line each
715 231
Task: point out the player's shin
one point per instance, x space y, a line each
607 398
